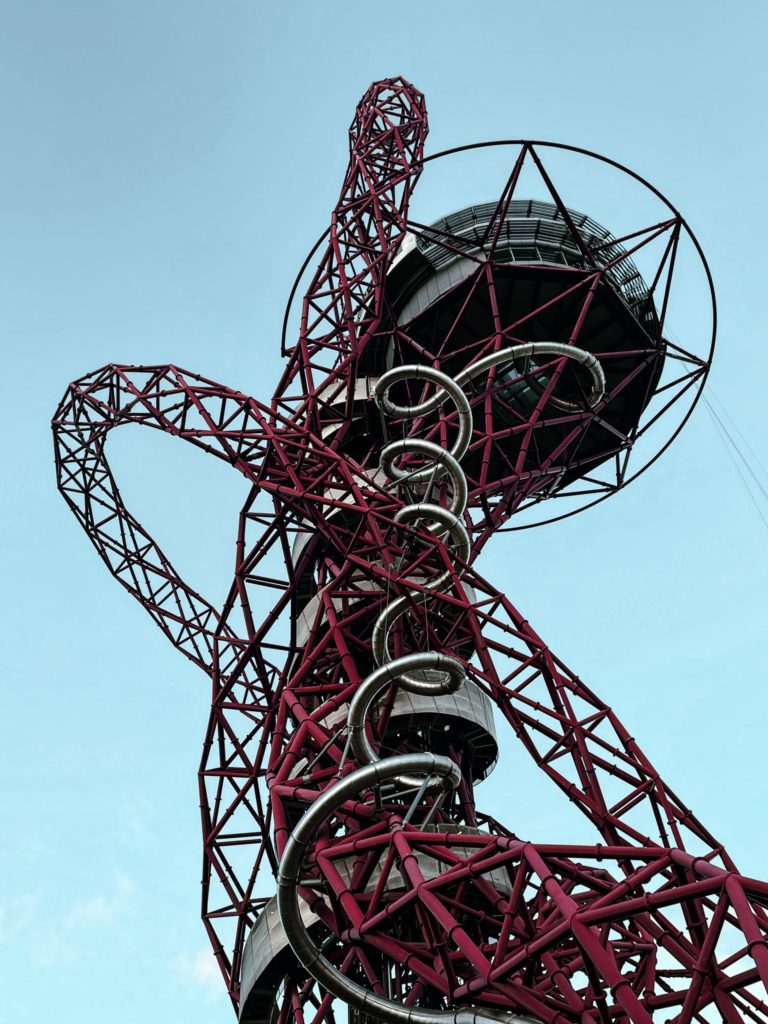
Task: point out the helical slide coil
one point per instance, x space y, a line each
426 672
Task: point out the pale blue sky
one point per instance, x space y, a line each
166 166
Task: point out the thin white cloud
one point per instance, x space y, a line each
19 915
102 911
134 823
61 938
199 969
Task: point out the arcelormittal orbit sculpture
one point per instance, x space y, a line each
445 377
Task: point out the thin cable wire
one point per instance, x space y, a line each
732 448
735 426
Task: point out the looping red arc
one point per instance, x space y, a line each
410 891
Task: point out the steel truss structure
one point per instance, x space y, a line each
350 725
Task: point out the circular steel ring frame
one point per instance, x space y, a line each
694 389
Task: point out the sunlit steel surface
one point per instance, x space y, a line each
446 378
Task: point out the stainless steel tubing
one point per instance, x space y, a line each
504 355
445 522
448 389
338 984
428 672
444 464
542 348
452 673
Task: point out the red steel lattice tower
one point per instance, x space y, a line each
445 378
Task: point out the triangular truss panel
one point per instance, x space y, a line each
447 377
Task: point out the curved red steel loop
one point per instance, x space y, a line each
415 896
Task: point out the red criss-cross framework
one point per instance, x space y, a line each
653 923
